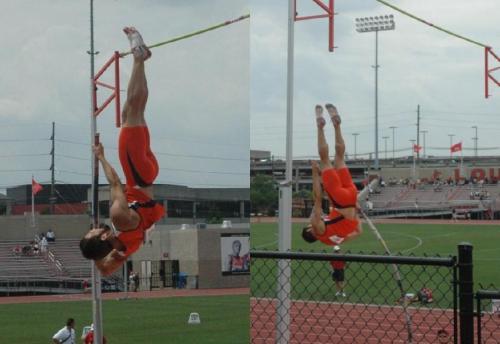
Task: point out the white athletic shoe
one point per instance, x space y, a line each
337 294
137 46
320 121
343 294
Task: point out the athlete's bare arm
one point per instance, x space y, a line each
122 217
318 225
112 262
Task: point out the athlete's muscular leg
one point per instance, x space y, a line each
339 140
323 150
137 96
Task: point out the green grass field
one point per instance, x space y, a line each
373 281
224 319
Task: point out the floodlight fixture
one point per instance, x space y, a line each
377 23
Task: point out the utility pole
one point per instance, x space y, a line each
451 144
418 131
393 140
52 199
355 144
475 138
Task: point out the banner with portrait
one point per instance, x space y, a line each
235 254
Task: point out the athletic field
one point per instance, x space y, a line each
416 239
224 319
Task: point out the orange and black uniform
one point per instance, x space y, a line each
338 184
140 168
338 270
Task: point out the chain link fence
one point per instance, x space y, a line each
488 315
368 306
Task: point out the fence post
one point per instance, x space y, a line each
466 293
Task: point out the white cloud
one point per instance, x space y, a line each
198 104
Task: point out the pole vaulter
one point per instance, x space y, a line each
133 210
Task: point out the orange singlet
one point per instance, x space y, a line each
337 228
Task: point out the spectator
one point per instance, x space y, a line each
338 273
134 281
66 335
27 250
17 250
443 336
36 248
43 245
89 338
51 236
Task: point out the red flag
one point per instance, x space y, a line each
35 187
457 147
416 148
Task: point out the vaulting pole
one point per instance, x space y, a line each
96 276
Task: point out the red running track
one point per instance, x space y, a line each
322 323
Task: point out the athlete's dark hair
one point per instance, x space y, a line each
70 322
308 235
95 248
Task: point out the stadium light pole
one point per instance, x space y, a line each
451 144
375 24
424 132
475 142
385 146
393 140
355 145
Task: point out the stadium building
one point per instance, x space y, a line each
409 187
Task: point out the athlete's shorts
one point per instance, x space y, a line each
338 275
149 211
339 186
138 161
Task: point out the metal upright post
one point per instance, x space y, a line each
96 276
376 100
285 201
466 293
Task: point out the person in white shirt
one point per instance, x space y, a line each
66 335
43 244
51 236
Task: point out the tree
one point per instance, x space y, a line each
264 194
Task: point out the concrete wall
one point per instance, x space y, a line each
19 227
184 248
197 250
209 252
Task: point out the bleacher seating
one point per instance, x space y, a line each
67 252
424 196
21 266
